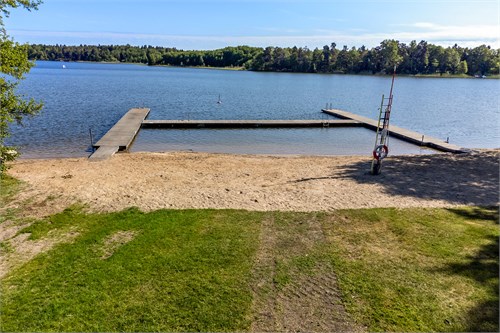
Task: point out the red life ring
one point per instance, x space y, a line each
380 152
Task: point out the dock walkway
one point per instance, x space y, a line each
398 132
120 136
248 123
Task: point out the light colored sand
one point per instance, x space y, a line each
295 183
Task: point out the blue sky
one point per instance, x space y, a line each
211 24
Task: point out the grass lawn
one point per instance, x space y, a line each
176 271
418 269
9 187
205 270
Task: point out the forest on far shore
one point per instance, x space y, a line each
414 58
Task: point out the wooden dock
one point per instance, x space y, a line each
248 123
398 132
120 136
123 133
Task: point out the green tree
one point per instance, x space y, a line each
481 60
325 64
317 60
452 60
14 64
421 58
463 68
304 56
436 59
343 60
281 58
389 50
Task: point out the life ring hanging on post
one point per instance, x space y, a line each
380 152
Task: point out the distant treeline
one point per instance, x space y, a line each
413 58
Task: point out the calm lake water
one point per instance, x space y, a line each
89 95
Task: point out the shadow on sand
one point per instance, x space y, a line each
466 179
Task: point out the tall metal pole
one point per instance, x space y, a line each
392 83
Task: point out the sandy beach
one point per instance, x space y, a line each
180 180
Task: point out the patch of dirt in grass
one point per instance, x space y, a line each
10 228
17 213
19 249
115 241
288 299
312 303
35 203
264 270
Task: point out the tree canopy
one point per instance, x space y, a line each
14 64
413 58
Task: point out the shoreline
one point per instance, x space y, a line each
184 180
425 151
241 68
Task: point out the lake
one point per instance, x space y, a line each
94 96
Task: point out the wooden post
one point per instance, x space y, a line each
91 139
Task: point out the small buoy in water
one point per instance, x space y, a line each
63 66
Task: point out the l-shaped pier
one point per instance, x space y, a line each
398 132
123 133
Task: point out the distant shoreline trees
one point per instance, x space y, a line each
414 58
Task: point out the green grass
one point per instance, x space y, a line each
418 269
194 270
9 187
183 271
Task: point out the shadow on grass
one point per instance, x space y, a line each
483 268
468 179
478 213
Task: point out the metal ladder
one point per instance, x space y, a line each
381 150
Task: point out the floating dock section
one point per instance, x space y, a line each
120 136
398 132
248 123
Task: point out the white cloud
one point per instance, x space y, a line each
465 31
424 25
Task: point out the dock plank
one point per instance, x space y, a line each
121 135
103 153
398 132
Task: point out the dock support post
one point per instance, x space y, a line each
91 139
